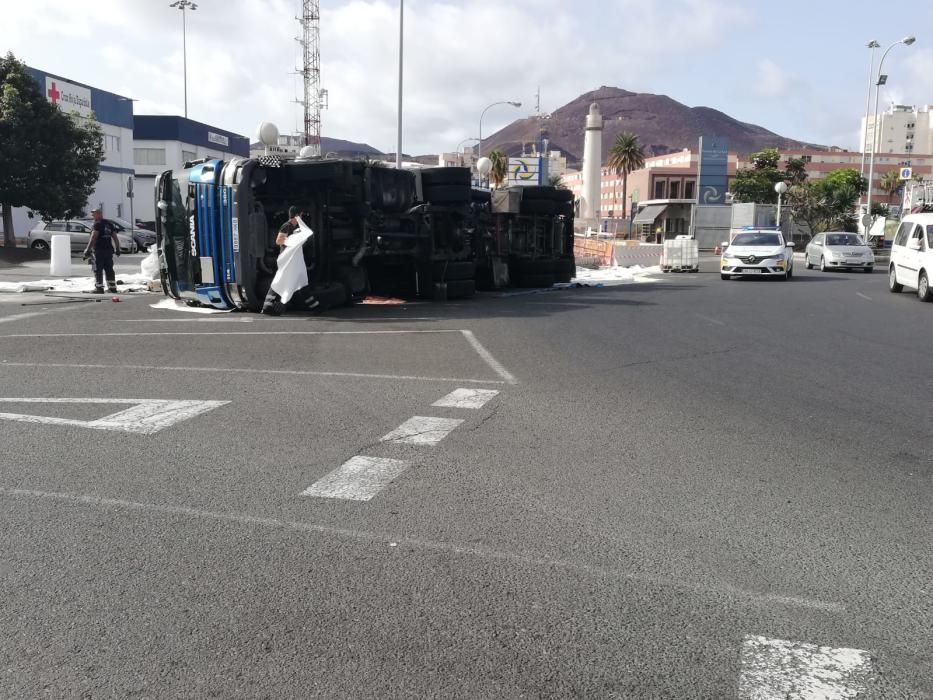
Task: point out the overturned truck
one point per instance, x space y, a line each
412 233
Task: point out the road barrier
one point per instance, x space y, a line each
593 251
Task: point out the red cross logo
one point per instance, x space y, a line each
54 94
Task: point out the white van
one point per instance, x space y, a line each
912 256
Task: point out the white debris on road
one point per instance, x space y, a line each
608 276
125 283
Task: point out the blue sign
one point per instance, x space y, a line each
713 174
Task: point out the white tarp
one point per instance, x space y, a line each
292 274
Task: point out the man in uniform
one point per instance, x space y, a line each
105 244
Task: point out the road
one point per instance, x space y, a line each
683 488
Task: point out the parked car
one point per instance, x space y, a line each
143 238
912 256
40 237
757 252
839 251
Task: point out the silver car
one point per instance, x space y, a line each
839 251
40 238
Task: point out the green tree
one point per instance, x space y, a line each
756 184
50 160
891 182
500 168
828 203
556 181
625 156
796 171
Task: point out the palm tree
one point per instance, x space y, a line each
500 168
556 181
891 182
625 156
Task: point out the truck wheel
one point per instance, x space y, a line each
461 289
454 270
540 207
535 280
434 177
565 270
448 194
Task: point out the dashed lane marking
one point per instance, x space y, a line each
776 669
466 398
422 430
22 317
868 298
358 479
257 333
233 370
715 321
146 417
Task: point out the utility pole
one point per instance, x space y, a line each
184 6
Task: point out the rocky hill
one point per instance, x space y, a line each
663 125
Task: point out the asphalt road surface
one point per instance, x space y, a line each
683 488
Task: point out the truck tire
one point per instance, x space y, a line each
540 207
565 270
535 280
435 177
461 289
447 194
453 270
524 266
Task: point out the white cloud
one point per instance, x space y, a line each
772 81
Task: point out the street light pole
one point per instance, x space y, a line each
479 148
780 188
906 41
184 6
871 81
401 48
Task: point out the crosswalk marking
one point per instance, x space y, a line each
422 430
466 398
777 669
358 479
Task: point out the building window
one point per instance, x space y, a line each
689 189
659 189
149 156
675 190
187 156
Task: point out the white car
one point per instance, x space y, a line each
758 252
839 251
912 256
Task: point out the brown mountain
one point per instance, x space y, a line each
663 125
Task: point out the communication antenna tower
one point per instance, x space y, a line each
315 98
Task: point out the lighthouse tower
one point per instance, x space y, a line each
592 167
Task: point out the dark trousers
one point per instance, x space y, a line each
103 264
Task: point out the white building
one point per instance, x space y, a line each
901 129
114 113
166 143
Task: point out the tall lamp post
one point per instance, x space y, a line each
184 6
401 46
479 148
781 189
906 41
871 82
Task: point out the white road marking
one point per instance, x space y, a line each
775 669
466 398
285 372
488 358
21 317
863 296
260 319
422 430
358 479
146 417
258 334
710 320
368 537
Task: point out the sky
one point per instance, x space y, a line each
797 67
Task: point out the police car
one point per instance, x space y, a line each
758 252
